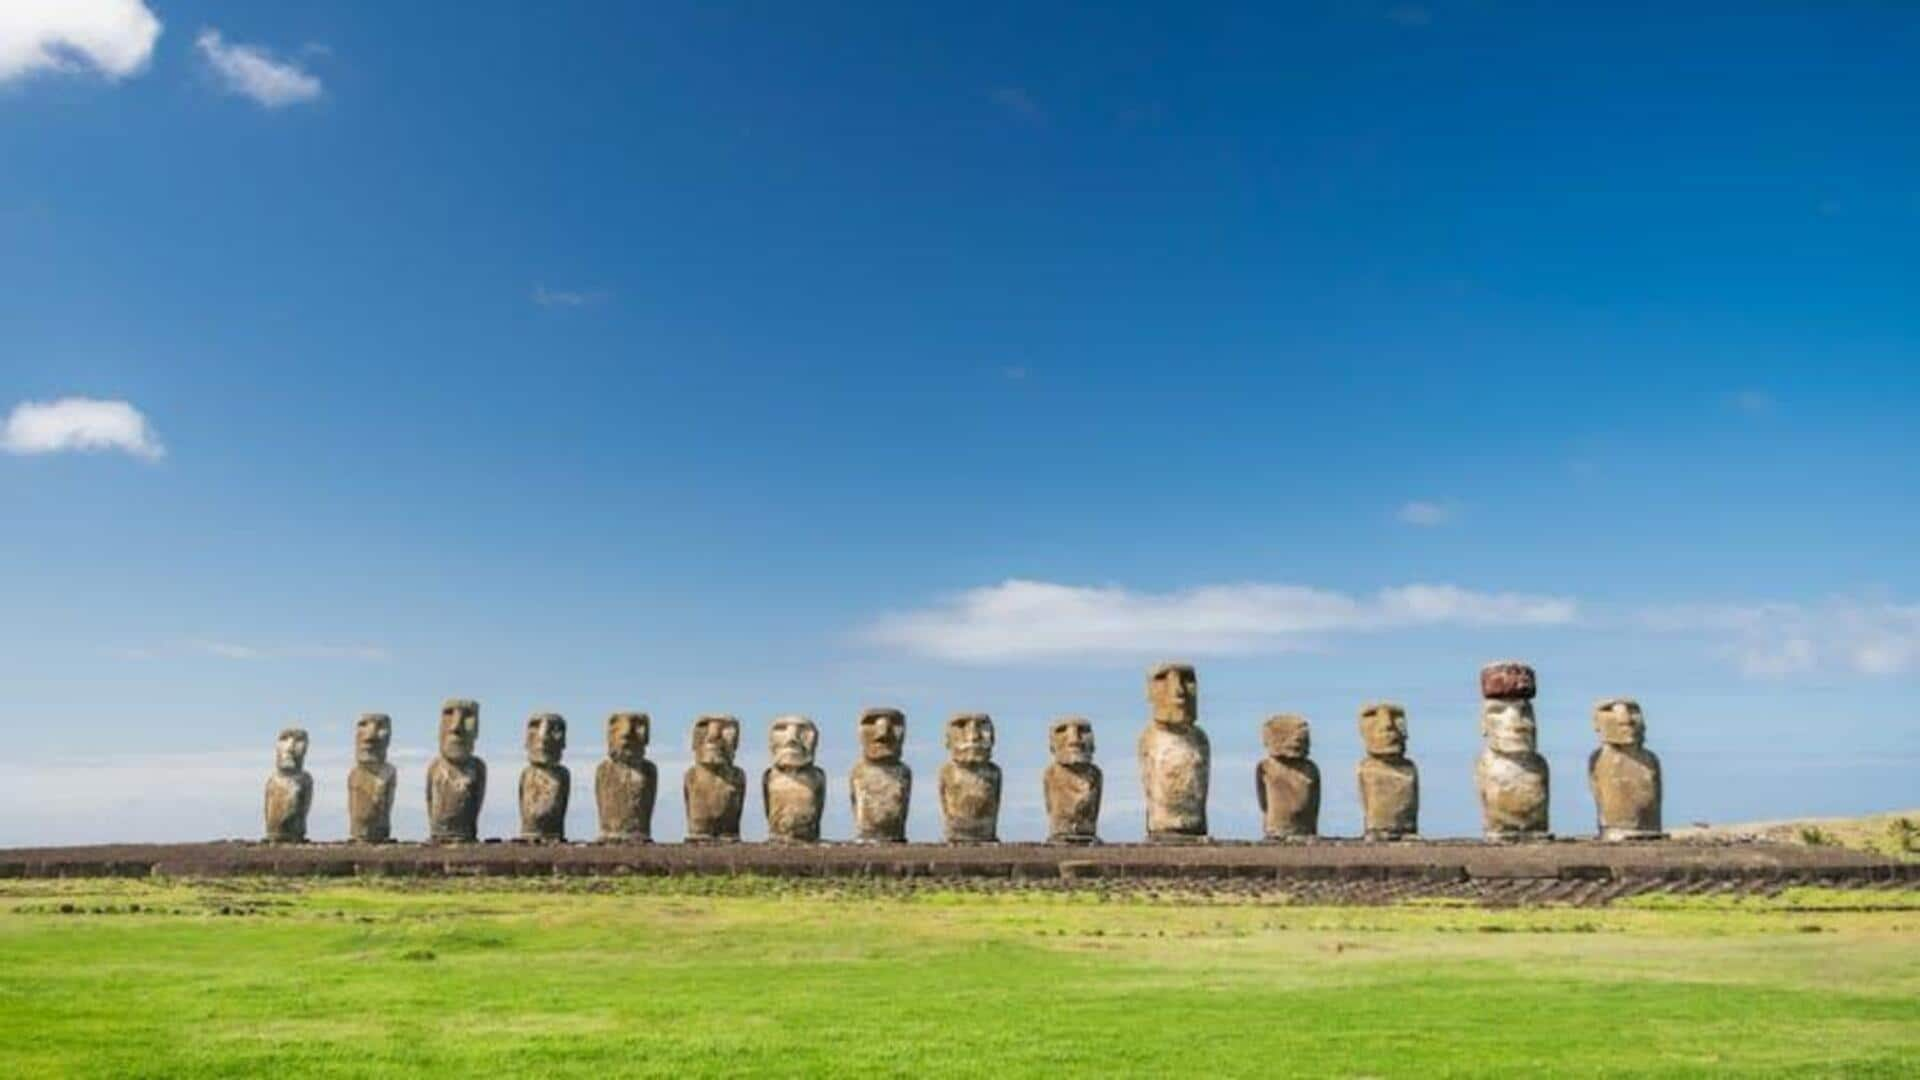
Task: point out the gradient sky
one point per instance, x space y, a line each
768 358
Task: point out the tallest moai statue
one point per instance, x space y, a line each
1175 757
1511 774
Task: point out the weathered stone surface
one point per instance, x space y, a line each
970 781
1286 781
1623 774
1072 783
545 784
1175 756
372 782
793 789
289 789
457 779
715 788
625 784
1510 773
1508 680
1389 781
881 784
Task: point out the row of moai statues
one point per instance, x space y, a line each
1175 760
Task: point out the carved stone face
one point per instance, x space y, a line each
1508 726
1620 722
882 733
1071 741
459 730
970 738
792 741
371 736
1285 736
715 738
1383 727
627 736
1174 692
290 750
546 738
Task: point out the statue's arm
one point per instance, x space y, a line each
1260 784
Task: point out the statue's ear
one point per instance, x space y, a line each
811 736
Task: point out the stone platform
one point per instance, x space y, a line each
1578 871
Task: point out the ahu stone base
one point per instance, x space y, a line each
1331 871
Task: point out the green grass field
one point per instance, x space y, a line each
724 976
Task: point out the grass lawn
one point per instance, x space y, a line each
249 978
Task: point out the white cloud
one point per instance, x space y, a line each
565 298
111 37
1017 101
1425 514
1751 402
76 423
1775 640
1026 620
253 72
227 650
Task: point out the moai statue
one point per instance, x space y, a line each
1286 781
1389 782
289 789
625 783
1624 774
715 788
970 781
1072 783
1175 757
371 784
545 784
457 780
793 789
1511 774
881 783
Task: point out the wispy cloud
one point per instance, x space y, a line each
1776 640
79 424
1410 15
1751 402
1017 101
255 73
1027 620
1425 514
223 649
113 38
566 298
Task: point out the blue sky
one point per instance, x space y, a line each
785 358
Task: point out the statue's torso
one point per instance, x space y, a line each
1174 765
454 795
715 795
970 800
288 797
624 793
370 790
1291 791
1513 792
1626 788
795 799
544 790
1073 800
1390 796
880 792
